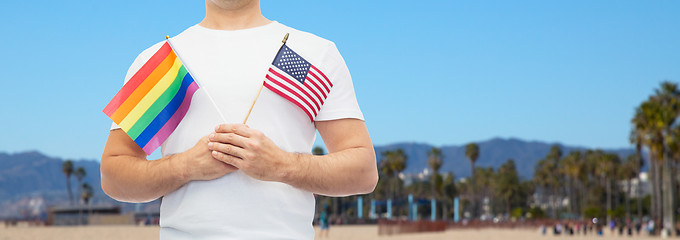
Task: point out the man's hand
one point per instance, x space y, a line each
127 176
348 169
250 151
199 163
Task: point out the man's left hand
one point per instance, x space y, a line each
250 151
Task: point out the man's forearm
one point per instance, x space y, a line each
127 175
132 179
347 172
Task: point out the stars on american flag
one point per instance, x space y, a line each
291 63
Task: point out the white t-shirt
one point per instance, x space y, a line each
231 66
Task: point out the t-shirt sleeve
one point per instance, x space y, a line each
341 101
136 65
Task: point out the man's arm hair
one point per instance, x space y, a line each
127 176
349 168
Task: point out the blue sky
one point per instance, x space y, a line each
438 72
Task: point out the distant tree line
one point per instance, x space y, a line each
578 185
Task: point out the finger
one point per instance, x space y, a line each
240 129
229 138
227 149
228 159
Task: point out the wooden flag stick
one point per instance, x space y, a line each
252 105
285 38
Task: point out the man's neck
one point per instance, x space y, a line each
238 17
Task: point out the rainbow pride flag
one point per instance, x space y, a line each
153 102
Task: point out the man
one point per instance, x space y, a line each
223 180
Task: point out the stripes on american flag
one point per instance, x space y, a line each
295 79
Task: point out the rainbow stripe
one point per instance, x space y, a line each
153 102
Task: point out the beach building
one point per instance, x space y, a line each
87 215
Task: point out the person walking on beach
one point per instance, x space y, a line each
220 179
323 222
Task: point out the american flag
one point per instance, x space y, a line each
294 78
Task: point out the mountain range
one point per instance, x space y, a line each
31 181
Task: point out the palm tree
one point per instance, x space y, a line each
472 153
654 125
546 177
627 172
507 183
636 137
606 169
434 159
668 97
391 165
386 168
484 180
646 133
80 173
86 193
572 169
542 179
67 169
554 178
398 164
577 169
449 190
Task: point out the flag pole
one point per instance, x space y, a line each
285 38
167 38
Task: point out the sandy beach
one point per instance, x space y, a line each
363 232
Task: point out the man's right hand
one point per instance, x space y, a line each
199 164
